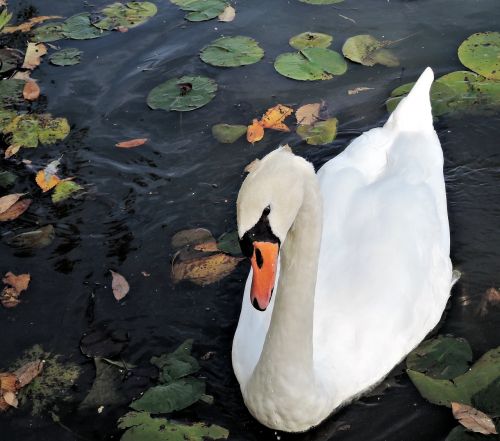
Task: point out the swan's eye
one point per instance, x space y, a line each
266 211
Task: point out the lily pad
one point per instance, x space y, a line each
141 427
182 94
441 357
367 50
229 243
310 39
321 2
64 190
79 27
201 10
176 365
66 57
128 15
6 116
33 239
11 92
320 133
48 32
460 433
481 53
176 395
232 52
228 133
10 59
309 64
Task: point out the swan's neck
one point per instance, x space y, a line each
285 370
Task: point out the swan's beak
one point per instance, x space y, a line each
264 263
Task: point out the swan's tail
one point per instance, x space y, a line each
414 112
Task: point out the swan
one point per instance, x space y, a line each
357 257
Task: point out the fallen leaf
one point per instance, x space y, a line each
26 26
356 90
33 54
64 190
24 76
9 298
228 133
131 143
207 246
31 91
228 14
274 117
15 210
308 114
473 419
8 381
255 131
16 285
11 399
46 181
7 201
120 285
490 297
26 373
11 150
320 133
33 239
193 236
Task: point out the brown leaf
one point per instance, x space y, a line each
308 114
255 131
11 150
132 143
204 270
473 419
26 373
207 246
120 285
15 210
193 236
490 298
9 297
11 399
19 283
227 14
31 91
7 201
33 54
26 26
8 381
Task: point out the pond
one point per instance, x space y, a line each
137 199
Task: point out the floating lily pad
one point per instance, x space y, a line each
128 15
228 133
11 92
441 357
321 2
229 243
309 64
367 50
232 52
6 116
66 57
481 53
176 365
48 32
182 94
33 239
10 59
201 10
64 190
141 427
310 39
320 133
79 27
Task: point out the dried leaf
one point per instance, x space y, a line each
120 285
207 246
19 283
8 381
15 210
26 26
490 297
33 54
473 419
31 91
356 90
132 143
228 14
193 236
26 373
7 201
275 116
12 150
9 298
308 114
24 75
46 181
255 131
11 399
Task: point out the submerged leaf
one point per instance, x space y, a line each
10 59
310 39
7 201
33 239
228 133
64 190
320 133
481 53
177 364
232 52
66 57
367 50
321 2
120 285
191 237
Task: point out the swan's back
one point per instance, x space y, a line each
384 274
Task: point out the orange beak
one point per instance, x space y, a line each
264 264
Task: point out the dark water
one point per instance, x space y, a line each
137 199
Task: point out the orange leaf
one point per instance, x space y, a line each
275 116
281 127
31 91
19 283
132 143
26 26
46 181
255 131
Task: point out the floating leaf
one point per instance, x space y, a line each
201 10
10 59
15 286
320 133
314 63
441 357
79 27
29 371
15 210
321 2
176 365
66 57
192 236
120 285
310 39
228 133
132 143
232 52
481 53
7 201
51 130
49 32
473 419
34 52
5 17
11 92
47 178
127 15
33 239
255 131
367 50
308 114
228 14
274 117
31 91
26 26
229 243
182 94
141 427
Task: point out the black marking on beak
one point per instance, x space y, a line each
258 257
256 305
262 232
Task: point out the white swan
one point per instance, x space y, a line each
364 271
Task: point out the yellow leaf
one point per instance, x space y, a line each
46 181
26 26
275 116
33 54
255 131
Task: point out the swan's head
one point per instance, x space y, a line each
268 202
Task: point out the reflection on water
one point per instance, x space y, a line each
137 199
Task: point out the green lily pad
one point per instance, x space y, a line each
320 133
6 116
309 64
127 15
441 357
48 32
23 130
481 53
33 239
7 179
10 59
487 400
228 133
310 39
368 51
182 94
232 52
462 388
11 92
321 2
141 427
64 190
66 57
178 364
166 398
79 27
51 130
201 10
460 433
